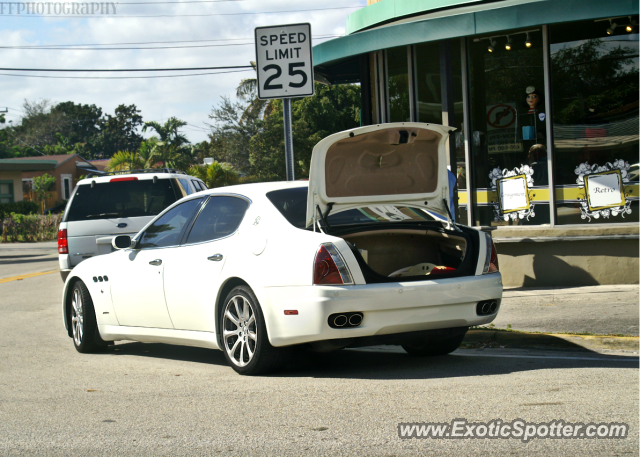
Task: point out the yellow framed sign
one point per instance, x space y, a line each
513 194
604 190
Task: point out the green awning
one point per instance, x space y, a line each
27 165
494 17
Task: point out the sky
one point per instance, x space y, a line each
225 28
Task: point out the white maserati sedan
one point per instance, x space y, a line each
364 253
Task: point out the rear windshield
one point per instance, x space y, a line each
292 203
121 199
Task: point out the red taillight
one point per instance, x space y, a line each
493 265
63 247
130 178
325 270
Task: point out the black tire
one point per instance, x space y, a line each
265 358
86 338
431 348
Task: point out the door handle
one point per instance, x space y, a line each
215 258
156 262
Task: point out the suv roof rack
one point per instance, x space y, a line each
144 170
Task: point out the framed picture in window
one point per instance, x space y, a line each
513 194
604 190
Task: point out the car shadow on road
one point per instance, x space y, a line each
385 365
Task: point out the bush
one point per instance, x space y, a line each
22 207
20 227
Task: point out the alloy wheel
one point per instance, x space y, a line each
77 319
239 331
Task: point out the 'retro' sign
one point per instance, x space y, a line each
284 61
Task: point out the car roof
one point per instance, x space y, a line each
256 189
140 176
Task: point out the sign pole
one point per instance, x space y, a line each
288 139
284 69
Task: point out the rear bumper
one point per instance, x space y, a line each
64 274
65 266
388 309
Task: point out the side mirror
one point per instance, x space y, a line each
122 242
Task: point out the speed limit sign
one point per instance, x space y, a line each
284 61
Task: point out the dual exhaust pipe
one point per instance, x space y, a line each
486 307
341 320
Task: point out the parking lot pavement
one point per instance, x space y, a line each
156 399
25 258
593 309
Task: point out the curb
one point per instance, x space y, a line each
511 339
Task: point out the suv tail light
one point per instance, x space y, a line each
491 261
329 266
63 247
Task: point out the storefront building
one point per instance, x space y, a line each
544 97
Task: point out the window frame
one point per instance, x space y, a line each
185 236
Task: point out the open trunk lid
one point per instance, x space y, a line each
401 164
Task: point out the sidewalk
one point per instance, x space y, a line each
601 310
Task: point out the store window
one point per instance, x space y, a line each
398 84
594 79
508 129
428 76
428 89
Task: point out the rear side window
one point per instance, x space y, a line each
185 186
219 218
121 199
292 203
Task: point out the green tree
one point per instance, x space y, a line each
172 147
215 175
39 126
231 133
83 127
120 131
332 109
42 187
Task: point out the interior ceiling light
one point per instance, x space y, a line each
508 45
492 46
611 29
528 42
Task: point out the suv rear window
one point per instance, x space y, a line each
121 199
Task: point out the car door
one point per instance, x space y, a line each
137 286
191 275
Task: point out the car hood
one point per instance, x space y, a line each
388 164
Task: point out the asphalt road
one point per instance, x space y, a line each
23 258
155 399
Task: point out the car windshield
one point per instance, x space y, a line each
292 204
121 199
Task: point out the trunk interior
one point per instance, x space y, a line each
413 254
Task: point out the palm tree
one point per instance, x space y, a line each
126 160
146 157
171 147
215 175
168 133
247 90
